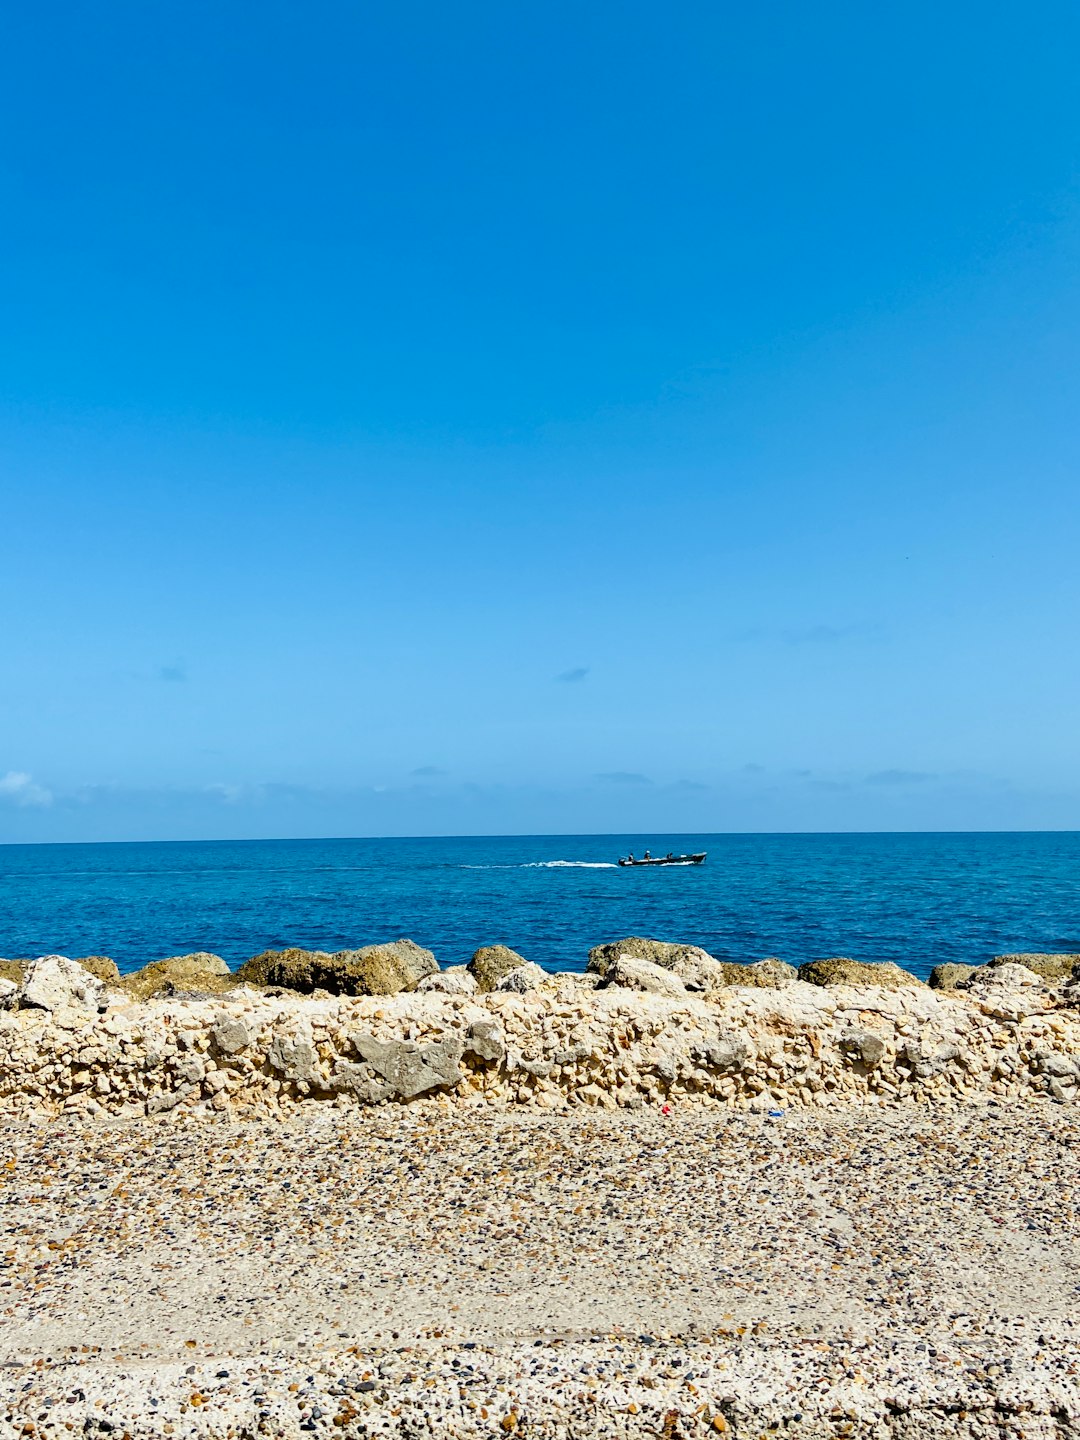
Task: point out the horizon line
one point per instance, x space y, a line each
528 835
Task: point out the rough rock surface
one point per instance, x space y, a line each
521 979
769 974
13 970
1008 1036
54 982
372 970
839 970
949 976
199 971
658 952
1050 967
634 974
102 968
293 968
491 963
454 980
699 973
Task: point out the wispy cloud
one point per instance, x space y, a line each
624 777
689 785
19 788
428 772
173 674
230 794
573 677
899 777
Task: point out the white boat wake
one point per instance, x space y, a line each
569 865
548 865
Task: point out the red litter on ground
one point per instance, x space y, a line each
665 1109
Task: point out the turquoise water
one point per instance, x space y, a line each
915 899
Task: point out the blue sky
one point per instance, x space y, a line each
425 419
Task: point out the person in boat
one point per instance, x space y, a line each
671 855
630 856
647 855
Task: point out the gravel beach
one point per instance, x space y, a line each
871 1270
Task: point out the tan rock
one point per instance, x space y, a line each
200 972
657 952
950 975
767 974
839 970
101 967
373 970
491 963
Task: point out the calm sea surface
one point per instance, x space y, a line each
915 899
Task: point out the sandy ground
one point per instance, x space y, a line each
370 1259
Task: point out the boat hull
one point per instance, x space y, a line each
665 860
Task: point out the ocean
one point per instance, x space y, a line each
915 899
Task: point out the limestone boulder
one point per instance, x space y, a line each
1056 968
633 974
1005 977
8 992
865 1047
767 974
382 969
839 970
291 969
56 983
485 1041
199 973
951 975
522 979
230 1034
409 1069
101 967
491 963
1009 992
664 953
700 973
454 980
373 970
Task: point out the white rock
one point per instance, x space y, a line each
643 975
522 979
697 972
55 983
454 980
8 988
1005 977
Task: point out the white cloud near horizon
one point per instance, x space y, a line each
20 788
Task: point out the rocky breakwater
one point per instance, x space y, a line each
675 1029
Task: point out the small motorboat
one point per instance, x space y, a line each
665 859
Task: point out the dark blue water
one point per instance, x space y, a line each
915 899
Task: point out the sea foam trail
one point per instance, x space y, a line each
548 865
569 865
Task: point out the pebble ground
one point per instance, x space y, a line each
412 1272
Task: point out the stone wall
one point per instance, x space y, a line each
83 1046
